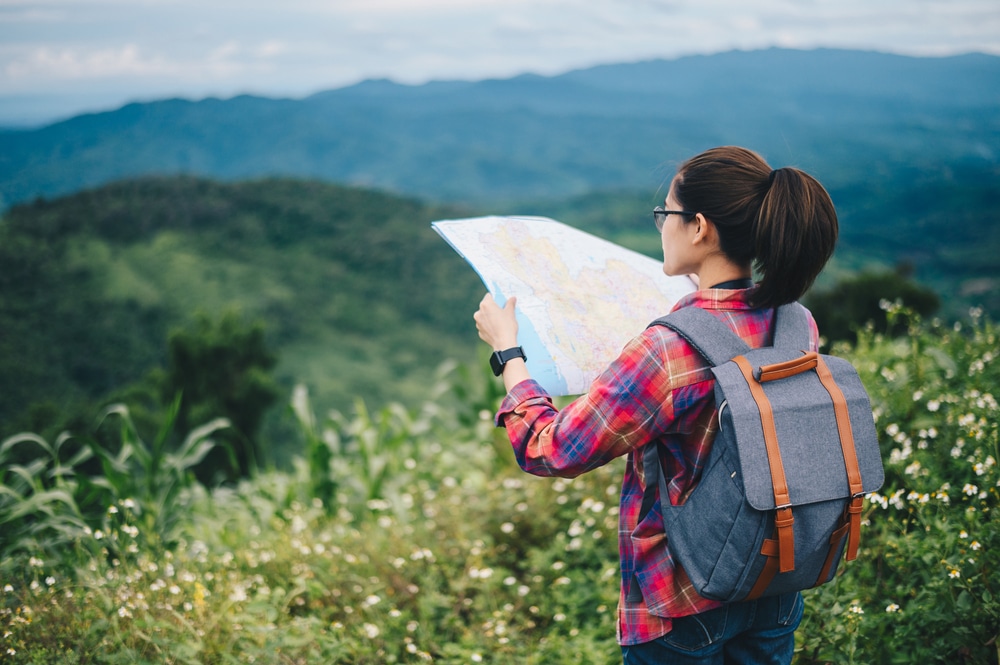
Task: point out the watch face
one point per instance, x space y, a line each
496 364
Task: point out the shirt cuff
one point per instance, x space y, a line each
528 389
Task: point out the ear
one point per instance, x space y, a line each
704 230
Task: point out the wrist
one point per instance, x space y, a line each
503 355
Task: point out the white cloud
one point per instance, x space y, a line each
198 47
60 64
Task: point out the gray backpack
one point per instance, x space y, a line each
781 492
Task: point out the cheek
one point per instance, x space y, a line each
669 254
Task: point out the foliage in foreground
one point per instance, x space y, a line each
410 537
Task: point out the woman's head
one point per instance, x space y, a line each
780 221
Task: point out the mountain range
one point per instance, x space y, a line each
847 116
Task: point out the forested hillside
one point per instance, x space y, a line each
356 293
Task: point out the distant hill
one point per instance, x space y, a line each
359 297
848 116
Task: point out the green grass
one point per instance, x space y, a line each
409 535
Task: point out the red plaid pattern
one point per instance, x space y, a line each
659 389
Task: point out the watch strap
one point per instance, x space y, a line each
499 359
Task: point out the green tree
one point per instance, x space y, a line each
222 368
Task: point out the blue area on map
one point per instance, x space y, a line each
540 364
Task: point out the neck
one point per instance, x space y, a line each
716 272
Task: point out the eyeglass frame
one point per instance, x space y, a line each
660 216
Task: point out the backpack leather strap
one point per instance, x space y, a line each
850 458
770 550
783 520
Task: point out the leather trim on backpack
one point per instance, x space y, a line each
850 457
783 519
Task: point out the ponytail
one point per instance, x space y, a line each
794 236
782 222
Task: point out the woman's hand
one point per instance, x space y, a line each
497 327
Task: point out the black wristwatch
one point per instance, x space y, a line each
499 359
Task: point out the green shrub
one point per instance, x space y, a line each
925 589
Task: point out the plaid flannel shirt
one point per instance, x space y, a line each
658 390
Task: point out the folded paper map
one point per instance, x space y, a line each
580 298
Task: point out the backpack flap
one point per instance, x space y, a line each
806 428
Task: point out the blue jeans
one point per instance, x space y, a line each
759 632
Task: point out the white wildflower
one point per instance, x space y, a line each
878 500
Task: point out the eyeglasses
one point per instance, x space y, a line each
660 215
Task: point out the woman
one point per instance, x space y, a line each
726 213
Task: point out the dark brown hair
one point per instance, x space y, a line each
782 222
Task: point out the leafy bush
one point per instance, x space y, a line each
406 536
51 507
925 589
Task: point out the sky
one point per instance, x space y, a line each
59 58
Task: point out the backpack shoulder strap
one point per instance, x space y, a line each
709 336
791 327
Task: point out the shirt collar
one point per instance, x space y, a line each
717 299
